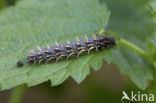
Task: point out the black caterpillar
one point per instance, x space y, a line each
64 51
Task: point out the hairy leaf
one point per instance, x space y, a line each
33 23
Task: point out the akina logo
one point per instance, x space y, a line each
137 96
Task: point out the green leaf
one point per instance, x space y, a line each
133 23
25 26
133 65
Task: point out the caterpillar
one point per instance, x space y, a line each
66 50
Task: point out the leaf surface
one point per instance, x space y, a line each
25 26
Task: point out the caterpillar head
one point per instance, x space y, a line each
112 41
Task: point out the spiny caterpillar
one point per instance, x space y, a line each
64 51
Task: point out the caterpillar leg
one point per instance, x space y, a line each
49 59
40 61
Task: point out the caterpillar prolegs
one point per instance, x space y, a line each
66 50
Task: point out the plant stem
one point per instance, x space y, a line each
135 48
17 94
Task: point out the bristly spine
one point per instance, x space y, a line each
64 51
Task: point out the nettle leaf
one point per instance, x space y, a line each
133 23
33 23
